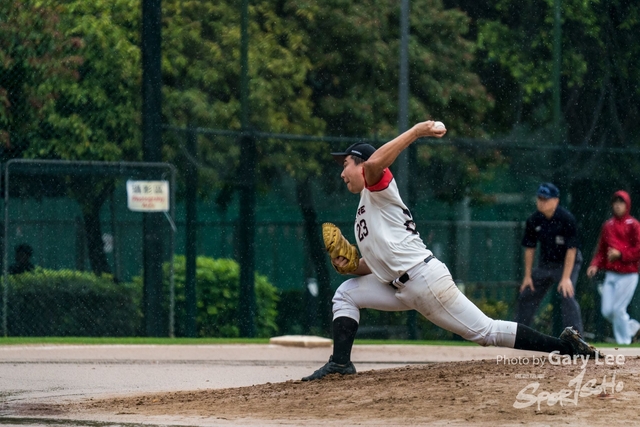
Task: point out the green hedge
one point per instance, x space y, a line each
71 303
218 296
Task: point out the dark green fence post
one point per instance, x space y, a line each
247 178
152 143
246 233
191 180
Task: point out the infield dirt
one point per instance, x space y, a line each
480 392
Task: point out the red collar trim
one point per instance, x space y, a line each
384 182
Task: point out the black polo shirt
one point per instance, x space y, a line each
555 235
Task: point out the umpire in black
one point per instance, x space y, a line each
560 259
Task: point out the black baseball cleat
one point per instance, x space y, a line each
579 346
332 368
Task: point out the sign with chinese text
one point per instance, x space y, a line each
148 196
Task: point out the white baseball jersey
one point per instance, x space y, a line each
385 232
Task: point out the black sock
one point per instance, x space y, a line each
344 332
530 339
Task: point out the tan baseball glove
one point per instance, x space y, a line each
337 245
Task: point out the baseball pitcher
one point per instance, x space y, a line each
395 271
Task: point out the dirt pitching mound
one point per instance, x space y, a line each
486 393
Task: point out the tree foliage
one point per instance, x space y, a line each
35 59
355 52
98 114
201 71
73 68
600 66
70 80
313 68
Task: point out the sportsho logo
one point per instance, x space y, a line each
530 395
577 387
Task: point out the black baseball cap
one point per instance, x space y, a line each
359 149
548 191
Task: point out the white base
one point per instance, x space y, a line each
301 341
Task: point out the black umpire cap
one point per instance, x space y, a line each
359 149
548 191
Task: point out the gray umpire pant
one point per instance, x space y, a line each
544 277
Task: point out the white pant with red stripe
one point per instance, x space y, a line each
430 291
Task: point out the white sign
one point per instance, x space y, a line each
148 196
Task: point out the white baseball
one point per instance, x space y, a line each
439 125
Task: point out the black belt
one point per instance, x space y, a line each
405 277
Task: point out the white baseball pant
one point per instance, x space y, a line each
617 292
432 292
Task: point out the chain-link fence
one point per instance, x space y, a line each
87 256
73 246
